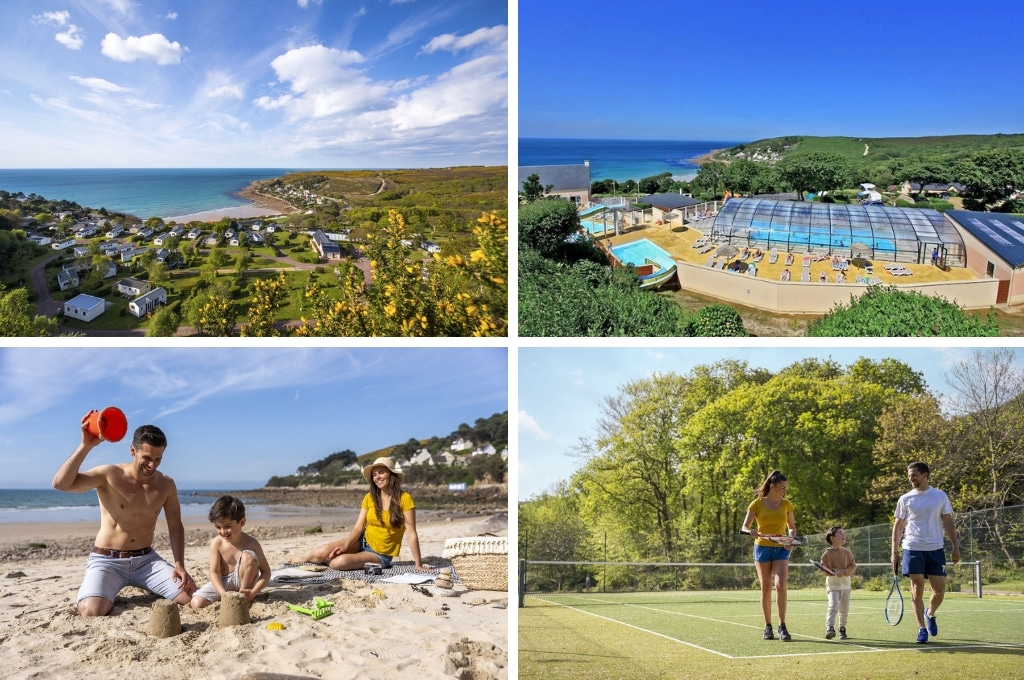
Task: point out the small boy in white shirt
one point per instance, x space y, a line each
841 562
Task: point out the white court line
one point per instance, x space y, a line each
845 646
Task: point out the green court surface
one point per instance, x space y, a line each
718 635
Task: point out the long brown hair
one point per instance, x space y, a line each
394 489
774 477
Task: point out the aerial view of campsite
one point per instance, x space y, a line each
799 192
344 177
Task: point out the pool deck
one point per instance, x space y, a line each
678 241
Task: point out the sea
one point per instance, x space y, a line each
52 506
145 193
621 159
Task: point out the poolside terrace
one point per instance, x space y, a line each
766 291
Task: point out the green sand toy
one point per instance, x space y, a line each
321 608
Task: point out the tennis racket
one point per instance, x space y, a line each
825 569
894 602
786 541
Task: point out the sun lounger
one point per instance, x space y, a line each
840 277
874 281
869 268
784 276
789 259
706 248
901 272
773 257
711 262
819 257
758 256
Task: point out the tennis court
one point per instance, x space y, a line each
718 633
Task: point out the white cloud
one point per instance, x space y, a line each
529 424
55 18
119 6
470 89
171 16
322 84
71 37
496 36
232 91
99 84
153 46
305 3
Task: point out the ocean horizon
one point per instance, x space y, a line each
50 506
142 192
620 159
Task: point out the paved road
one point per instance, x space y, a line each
45 304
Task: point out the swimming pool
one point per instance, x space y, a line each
597 227
640 252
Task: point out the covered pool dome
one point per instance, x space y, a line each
871 231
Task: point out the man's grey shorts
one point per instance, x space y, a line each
105 576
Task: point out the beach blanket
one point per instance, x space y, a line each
293 574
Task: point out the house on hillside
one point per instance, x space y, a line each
324 246
461 444
68 278
485 450
421 457
571 182
130 287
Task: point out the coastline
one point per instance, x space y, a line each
375 631
260 205
709 157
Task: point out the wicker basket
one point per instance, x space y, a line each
480 561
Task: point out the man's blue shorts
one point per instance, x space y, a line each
927 562
765 553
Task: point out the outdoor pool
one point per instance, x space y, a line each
597 227
639 252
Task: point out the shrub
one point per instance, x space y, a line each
717 321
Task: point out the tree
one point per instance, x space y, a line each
164 323
545 225
817 171
266 298
210 311
533 190
885 311
18 318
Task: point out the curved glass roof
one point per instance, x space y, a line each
897 234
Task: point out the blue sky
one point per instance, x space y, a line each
664 69
253 83
561 390
234 417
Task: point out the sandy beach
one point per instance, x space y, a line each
405 632
261 206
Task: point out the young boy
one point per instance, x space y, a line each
237 562
841 562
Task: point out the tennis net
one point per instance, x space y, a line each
569 583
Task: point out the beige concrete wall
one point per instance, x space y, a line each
795 297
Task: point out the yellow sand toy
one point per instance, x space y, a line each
275 625
321 608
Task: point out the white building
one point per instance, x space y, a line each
145 304
84 307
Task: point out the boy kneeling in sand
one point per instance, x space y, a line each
237 562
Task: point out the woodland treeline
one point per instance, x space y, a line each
674 460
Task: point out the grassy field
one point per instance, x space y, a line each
718 635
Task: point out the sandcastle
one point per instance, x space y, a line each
164 620
234 610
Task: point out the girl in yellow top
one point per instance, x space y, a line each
386 515
774 515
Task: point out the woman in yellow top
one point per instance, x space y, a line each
387 514
774 515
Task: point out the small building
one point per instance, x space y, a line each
40 240
571 182
212 240
84 307
194 233
324 246
430 246
68 278
144 304
63 244
115 231
81 251
131 287
995 250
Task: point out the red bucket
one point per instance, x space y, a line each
109 424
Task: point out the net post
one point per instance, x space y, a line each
522 583
977 577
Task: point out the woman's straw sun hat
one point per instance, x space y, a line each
382 462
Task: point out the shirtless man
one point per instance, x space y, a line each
131 496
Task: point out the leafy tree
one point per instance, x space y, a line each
552 528
533 190
545 225
18 317
885 311
717 321
910 428
656 183
164 323
816 171
210 311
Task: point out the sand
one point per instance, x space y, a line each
406 632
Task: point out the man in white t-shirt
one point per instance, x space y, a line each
921 516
